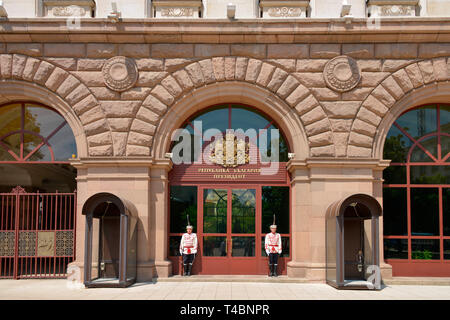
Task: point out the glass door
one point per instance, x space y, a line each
229 230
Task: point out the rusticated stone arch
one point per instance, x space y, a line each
254 72
236 92
399 91
71 91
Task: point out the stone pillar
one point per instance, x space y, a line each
386 269
128 179
159 211
316 183
300 219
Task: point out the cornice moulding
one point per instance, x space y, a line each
411 29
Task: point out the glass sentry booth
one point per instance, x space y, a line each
352 243
111 241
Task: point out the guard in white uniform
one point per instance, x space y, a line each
188 249
273 249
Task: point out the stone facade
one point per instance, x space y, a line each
335 94
337 123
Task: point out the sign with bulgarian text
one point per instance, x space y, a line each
219 174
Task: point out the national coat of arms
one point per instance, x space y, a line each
230 151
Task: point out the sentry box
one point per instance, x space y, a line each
352 243
110 246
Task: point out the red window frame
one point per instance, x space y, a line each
24 158
417 267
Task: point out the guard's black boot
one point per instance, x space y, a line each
189 269
185 269
270 270
275 270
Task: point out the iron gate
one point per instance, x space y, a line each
37 234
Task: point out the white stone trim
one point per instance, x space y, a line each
274 9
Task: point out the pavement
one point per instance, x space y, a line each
56 289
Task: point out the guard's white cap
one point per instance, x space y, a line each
189 227
273 226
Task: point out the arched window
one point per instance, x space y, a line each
416 194
31 132
234 116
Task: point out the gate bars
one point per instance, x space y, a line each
37 234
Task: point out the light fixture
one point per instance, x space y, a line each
168 155
345 12
291 155
3 13
231 10
115 15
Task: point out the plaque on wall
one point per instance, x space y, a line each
46 244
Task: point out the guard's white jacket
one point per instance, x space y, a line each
273 243
188 243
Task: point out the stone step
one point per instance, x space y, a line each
426 281
233 278
430 281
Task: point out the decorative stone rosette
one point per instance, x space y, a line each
342 73
120 73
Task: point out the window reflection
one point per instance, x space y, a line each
275 200
183 202
34 133
231 116
416 185
425 249
243 210
215 210
395 213
396 248
243 246
215 246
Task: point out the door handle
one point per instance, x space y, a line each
231 248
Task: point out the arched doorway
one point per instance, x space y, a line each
352 242
37 192
416 192
229 192
110 242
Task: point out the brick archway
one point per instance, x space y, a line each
25 71
417 83
260 74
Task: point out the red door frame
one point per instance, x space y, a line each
235 265
229 264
